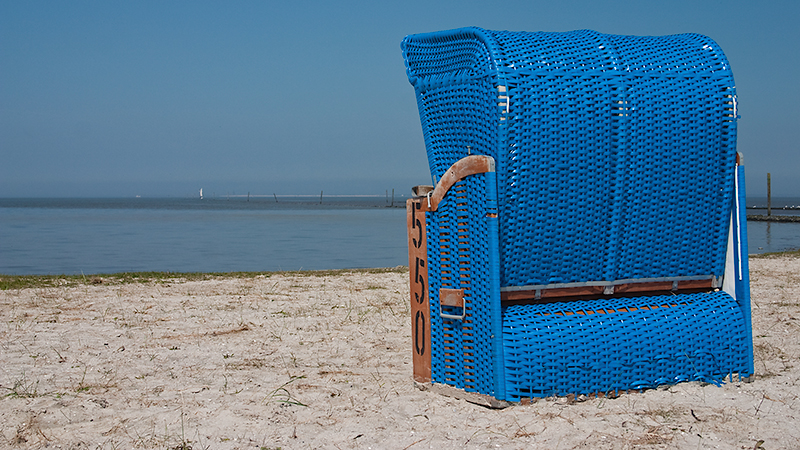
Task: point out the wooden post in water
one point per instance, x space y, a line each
392 197
320 197
769 195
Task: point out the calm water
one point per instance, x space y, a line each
763 237
73 236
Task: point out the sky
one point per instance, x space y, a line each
162 98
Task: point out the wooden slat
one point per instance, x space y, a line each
549 295
657 286
420 295
552 293
694 284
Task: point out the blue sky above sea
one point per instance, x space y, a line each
116 99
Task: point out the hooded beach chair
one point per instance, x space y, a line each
585 233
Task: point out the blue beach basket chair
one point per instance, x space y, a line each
586 231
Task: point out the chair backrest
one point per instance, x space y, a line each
615 154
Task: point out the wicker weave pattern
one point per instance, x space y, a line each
586 347
599 148
447 108
459 255
454 77
435 275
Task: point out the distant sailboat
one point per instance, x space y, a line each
201 193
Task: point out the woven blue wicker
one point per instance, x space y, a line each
460 256
616 160
591 347
586 127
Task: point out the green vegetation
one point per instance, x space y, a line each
787 253
282 395
23 388
43 281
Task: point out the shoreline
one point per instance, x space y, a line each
55 280
773 218
323 360
34 281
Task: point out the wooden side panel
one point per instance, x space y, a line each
420 300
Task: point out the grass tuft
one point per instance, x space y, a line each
773 255
283 396
23 388
47 281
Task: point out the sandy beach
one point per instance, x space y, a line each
323 360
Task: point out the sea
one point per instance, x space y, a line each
76 236
222 234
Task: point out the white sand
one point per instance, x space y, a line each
301 361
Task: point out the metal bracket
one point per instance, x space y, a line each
453 298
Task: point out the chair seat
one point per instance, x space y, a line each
618 344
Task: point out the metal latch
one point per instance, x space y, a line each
453 300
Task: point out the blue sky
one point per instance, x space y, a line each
163 98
